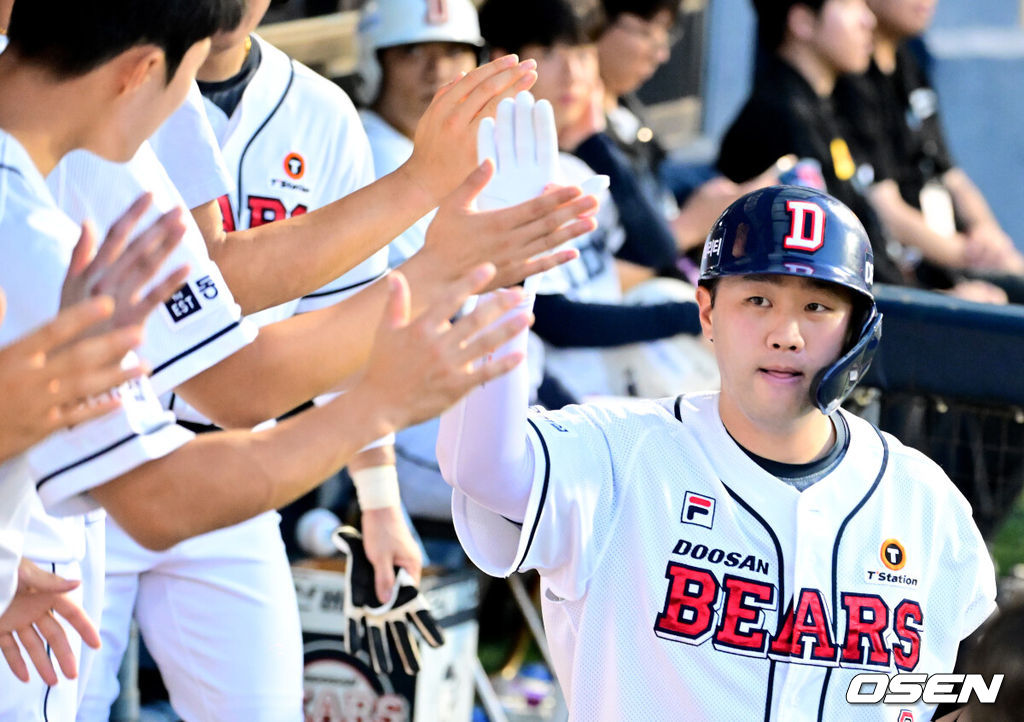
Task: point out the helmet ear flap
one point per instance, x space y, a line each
834 383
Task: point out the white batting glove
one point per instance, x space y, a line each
377 626
523 143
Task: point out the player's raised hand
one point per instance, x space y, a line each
124 270
420 367
444 152
51 378
32 619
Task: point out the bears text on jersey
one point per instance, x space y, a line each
732 614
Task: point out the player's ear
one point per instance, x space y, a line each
704 305
137 66
801 22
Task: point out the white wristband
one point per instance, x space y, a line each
377 487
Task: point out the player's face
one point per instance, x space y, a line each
141 111
566 76
903 18
844 35
632 48
414 73
772 335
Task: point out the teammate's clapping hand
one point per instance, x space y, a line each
443 153
122 270
31 619
47 375
420 367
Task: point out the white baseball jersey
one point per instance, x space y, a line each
17 492
185 145
38 239
390 150
201 324
294 144
682 581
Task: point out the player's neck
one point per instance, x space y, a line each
397 115
798 441
26 111
221 65
885 52
818 72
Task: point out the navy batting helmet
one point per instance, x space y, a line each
796 231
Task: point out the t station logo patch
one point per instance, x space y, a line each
294 166
894 556
698 510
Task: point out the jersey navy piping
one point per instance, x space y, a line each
543 493
98 454
835 557
322 294
782 588
196 347
46 697
245 151
12 169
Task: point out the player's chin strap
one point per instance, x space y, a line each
835 382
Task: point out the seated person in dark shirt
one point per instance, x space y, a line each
890 114
806 45
595 342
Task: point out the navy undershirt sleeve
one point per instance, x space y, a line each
567 323
649 239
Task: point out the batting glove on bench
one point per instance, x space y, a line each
379 627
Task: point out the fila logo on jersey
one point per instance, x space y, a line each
807 230
733 614
294 166
698 509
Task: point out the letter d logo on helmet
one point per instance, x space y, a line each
796 231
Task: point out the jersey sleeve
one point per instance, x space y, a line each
352 170
200 325
969 554
16 491
569 516
67 464
188 149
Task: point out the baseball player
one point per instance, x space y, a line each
155 500
732 555
408 50
270 115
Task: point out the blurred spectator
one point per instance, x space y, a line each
890 114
